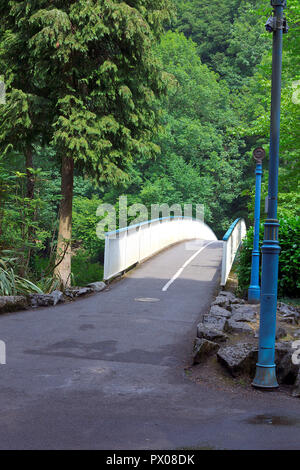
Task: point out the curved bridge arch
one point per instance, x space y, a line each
131 245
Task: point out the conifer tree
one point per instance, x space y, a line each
88 71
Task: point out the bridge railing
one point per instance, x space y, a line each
131 245
232 241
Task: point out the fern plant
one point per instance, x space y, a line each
11 283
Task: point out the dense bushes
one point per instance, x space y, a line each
289 261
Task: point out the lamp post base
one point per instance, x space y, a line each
265 377
254 295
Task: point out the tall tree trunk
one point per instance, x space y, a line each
30 181
30 176
63 268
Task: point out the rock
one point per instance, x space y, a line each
12 303
46 300
237 327
296 390
292 319
217 323
245 309
237 301
77 291
202 349
83 291
210 333
296 334
217 311
239 359
280 332
287 371
281 349
58 296
97 286
41 300
288 314
229 295
285 309
243 313
221 301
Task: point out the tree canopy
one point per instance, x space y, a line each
161 101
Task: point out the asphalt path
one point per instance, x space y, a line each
107 371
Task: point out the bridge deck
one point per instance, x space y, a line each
107 372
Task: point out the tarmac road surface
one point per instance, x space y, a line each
107 371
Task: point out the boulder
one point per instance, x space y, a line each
243 313
245 309
237 301
217 323
58 296
221 301
239 359
285 309
288 313
296 390
210 333
281 349
291 319
77 291
218 311
280 332
233 326
229 295
12 303
46 300
287 371
202 349
97 286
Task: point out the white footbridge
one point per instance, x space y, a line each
129 246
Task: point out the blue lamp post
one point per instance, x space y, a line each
254 288
265 369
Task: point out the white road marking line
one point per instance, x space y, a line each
166 286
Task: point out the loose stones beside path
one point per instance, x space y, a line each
238 327
244 313
45 300
212 321
238 359
211 333
217 311
14 303
230 331
288 314
203 348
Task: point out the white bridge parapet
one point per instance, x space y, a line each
232 240
131 245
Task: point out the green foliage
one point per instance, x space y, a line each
202 162
289 260
255 102
11 283
83 78
230 37
243 261
85 271
289 264
168 122
93 64
84 225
